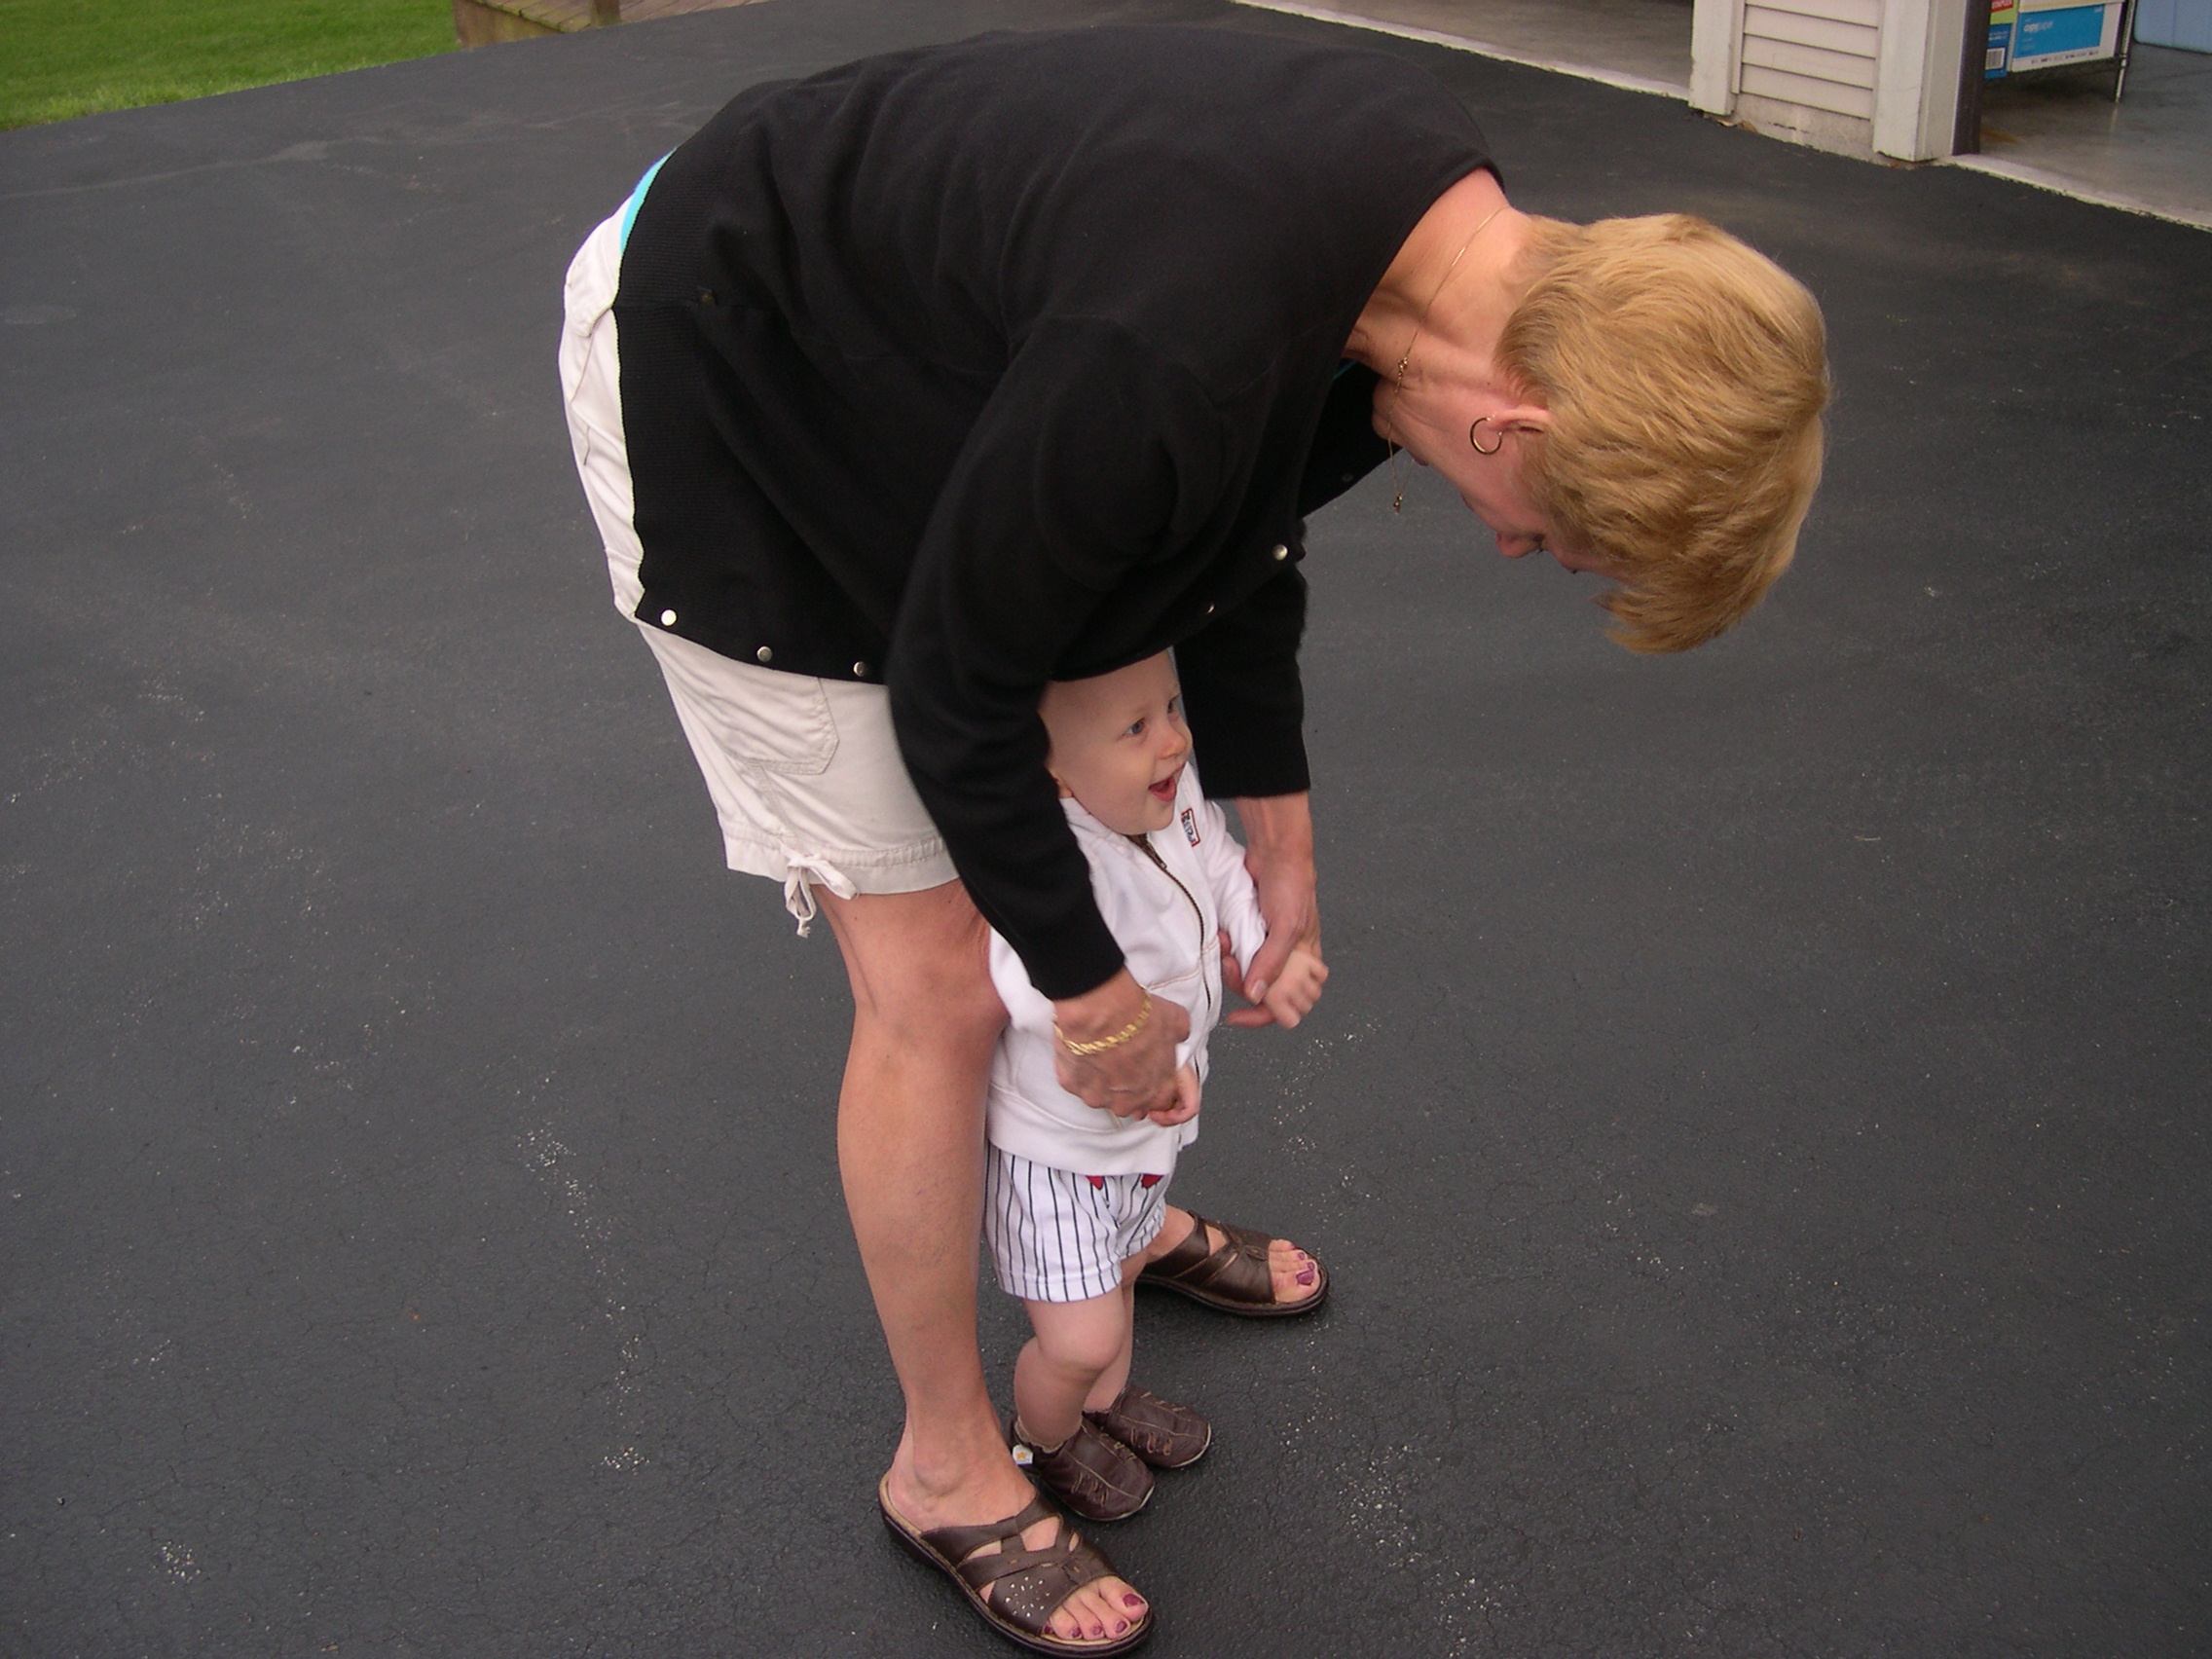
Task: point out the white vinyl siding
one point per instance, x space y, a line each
1801 28
1867 78
1817 52
1806 90
1860 13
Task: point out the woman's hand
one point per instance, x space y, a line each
1133 1079
1278 851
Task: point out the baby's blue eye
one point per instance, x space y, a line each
1136 730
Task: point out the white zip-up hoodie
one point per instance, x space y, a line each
1165 899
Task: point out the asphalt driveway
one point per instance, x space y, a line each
1757 1124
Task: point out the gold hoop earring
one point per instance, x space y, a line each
1482 421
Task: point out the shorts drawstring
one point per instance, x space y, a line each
801 869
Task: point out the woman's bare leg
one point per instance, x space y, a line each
910 1146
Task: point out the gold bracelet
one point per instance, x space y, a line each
1104 1042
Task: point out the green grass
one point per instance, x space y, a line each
64 58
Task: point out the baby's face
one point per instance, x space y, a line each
1119 744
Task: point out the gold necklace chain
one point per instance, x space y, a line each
1398 380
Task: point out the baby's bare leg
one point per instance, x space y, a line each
1077 1343
1079 1346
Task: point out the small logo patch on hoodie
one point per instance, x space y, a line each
1191 825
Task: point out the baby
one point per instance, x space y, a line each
1074 1197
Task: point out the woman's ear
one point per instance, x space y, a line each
1532 419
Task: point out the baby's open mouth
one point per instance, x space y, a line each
1165 789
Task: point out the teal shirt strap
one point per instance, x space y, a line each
638 199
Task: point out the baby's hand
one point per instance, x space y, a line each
1297 989
1289 1000
1186 1105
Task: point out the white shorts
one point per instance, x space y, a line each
1059 1237
806 774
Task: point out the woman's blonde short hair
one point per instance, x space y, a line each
1685 376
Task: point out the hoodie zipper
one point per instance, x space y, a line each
1205 984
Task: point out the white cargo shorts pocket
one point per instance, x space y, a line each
791 730
757 718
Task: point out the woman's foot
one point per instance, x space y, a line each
1101 1612
1294 1277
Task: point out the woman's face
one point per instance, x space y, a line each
1491 486
1436 434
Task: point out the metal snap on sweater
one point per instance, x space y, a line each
764 654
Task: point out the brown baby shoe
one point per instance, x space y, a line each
1164 1434
1095 1474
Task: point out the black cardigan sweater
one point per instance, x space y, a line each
973 367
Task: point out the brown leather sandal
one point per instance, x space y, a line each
1092 1473
1233 1278
1164 1434
1031 1584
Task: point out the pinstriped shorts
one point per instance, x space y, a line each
1059 1237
